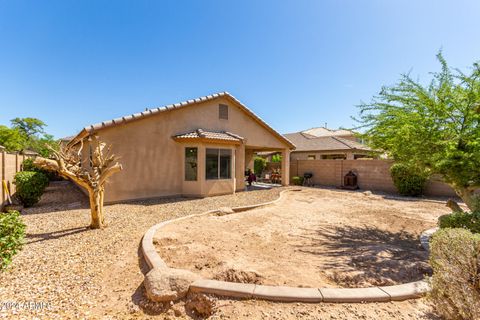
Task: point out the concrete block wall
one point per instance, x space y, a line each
10 164
372 175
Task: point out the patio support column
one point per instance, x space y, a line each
285 167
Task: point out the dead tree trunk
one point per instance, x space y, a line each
68 163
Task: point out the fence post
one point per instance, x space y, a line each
3 178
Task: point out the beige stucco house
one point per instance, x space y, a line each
199 148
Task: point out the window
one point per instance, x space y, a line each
191 164
218 164
311 157
223 111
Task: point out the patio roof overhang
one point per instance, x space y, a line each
209 136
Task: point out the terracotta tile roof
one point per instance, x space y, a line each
210 135
149 112
306 142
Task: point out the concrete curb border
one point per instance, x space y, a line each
425 238
400 292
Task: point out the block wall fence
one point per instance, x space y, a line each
372 175
10 164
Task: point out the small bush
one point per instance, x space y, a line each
408 181
12 232
455 259
465 220
259 165
298 181
30 186
27 165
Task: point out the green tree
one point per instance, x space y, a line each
433 127
11 139
44 145
30 127
27 133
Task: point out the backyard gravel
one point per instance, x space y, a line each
71 272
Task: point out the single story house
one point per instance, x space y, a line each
322 143
198 148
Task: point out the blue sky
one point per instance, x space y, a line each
297 64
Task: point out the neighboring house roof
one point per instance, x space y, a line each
149 112
201 134
307 142
67 139
29 152
324 132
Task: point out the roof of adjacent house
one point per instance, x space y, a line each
67 139
149 112
209 135
325 132
307 142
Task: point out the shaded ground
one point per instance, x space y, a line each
98 274
312 238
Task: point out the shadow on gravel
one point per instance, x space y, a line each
38 237
364 256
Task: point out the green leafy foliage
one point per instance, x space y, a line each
408 181
465 220
11 139
298 181
277 158
27 133
29 126
12 233
27 165
259 165
455 259
433 126
30 186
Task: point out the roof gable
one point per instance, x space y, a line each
150 112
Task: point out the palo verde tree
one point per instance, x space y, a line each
433 127
92 176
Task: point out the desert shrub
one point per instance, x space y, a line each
27 165
259 165
30 186
408 180
12 232
465 220
455 259
298 181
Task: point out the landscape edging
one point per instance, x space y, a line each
410 290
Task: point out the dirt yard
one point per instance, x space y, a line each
78 273
311 238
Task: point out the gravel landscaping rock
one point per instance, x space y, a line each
73 272
77 272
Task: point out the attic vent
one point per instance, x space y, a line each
223 111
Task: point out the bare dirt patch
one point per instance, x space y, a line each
312 238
